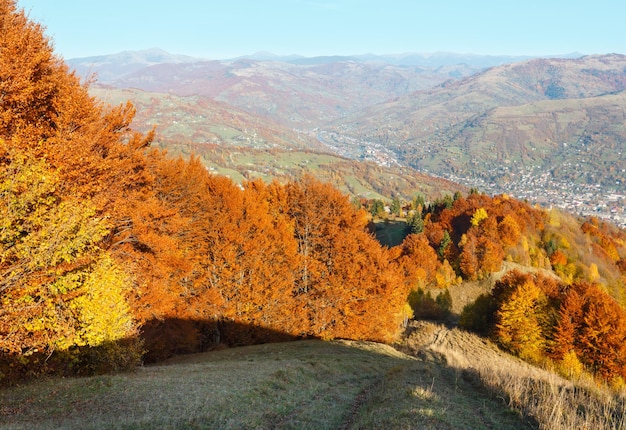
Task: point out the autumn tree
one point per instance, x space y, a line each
30 77
216 254
563 347
601 333
479 256
479 216
419 262
254 272
58 289
346 284
517 326
55 221
509 231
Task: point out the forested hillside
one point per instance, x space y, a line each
566 307
113 253
110 248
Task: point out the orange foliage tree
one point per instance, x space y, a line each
419 261
483 231
346 284
592 325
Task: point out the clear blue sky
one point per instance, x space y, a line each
228 28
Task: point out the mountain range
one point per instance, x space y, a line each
305 94
564 117
114 66
502 124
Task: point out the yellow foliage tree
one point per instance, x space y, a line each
518 327
106 337
101 310
479 216
52 273
38 230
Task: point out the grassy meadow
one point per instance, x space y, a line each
435 378
299 385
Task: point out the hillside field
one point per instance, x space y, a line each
445 379
305 384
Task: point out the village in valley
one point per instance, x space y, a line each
580 199
533 185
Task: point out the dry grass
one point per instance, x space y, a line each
553 402
467 292
298 385
438 378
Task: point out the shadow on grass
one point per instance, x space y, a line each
390 232
169 337
308 384
159 339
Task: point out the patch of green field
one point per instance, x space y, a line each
305 159
224 132
231 173
179 129
355 187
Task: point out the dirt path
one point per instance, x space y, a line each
359 401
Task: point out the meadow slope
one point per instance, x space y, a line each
436 377
305 384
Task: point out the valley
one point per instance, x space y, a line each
550 131
548 186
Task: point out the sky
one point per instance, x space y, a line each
230 28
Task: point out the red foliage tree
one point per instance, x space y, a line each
602 330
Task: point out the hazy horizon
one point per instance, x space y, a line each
331 27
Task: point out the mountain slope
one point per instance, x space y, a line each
427 114
301 93
574 140
519 118
202 120
107 68
360 179
243 146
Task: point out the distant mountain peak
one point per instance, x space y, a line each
144 56
268 56
112 66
